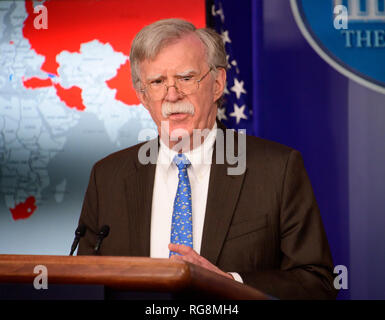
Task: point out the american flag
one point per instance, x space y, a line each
237 112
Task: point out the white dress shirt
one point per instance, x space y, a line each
165 186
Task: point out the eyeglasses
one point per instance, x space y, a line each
157 89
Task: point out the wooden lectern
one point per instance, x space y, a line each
102 277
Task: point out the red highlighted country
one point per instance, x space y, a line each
34 83
120 82
72 97
24 210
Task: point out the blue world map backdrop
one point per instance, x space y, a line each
66 101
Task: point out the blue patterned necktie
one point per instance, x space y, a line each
181 226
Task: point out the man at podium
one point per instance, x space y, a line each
182 195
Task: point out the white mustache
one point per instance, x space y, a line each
169 108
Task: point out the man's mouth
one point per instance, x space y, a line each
178 116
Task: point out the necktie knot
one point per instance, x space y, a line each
181 161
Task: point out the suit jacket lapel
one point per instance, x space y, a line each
222 198
139 189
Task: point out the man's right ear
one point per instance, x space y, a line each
142 97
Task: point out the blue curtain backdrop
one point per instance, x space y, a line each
291 96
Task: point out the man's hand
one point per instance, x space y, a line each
189 255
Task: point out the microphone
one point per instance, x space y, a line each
79 232
103 233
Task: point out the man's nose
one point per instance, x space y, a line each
172 93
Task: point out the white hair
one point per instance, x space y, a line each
152 38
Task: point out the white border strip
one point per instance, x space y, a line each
326 57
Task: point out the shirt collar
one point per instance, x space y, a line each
200 157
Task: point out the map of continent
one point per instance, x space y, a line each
54 79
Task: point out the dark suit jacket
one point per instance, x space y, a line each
263 224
